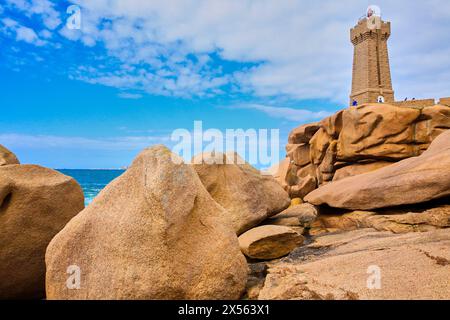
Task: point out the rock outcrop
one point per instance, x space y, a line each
359 168
359 140
35 204
248 196
380 177
7 157
427 220
379 132
269 242
364 264
414 180
153 233
302 215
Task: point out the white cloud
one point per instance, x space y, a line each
179 81
26 34
21 32
43 8
19 4
300 49
18 141
9 23
45 34
291 114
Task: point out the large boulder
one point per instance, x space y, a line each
299 153
35 204
433 121
248 196
319 145
269 242
359 168
304 186
301 215
7 157
304 133
153 233
409 181
380 131
364 264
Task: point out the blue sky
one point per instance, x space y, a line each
137 70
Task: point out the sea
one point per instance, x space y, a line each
92 181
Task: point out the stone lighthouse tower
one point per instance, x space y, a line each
371 71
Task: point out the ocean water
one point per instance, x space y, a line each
92 181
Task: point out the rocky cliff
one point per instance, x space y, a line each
357 140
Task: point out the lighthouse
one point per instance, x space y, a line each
371 78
